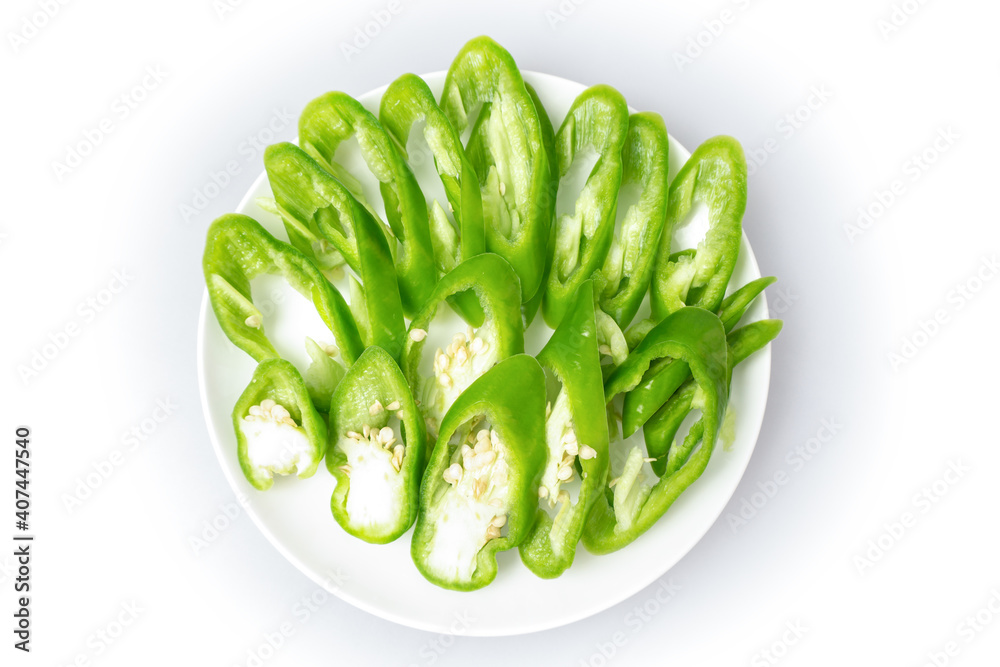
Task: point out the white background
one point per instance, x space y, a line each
827 553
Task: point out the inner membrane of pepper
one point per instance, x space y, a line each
276 444
374 459
470 507
456 365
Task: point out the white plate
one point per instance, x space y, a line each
295 514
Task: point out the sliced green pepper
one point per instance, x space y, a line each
696 337
576 433
628 267
660 430
665 376
472 352
598 120
480 491
278 430
512 165
334 118
237 250
376 450
715 176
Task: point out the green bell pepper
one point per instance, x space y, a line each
628 267
237 250
659 431
698 338
334 118
480 490
376 450
512 164
278 430
715 176
666 375
576 433
598 120
473 351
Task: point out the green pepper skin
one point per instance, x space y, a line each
512 166
572 356
598 119
628 267
660 430
697 337
278 380
375 377
239 249
496 287
664 377
715 175
511 396
334 118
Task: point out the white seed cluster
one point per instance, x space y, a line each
480 455
268 410
383 438
565 470
463 349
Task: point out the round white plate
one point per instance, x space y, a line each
295 514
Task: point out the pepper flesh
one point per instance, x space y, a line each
493 488
715 176
598 120
576 435
376 450
499 334
335 117
697 337
628 267
278 430
511 164
237 250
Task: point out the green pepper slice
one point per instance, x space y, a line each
237 250
334 118
474 350
576 435
512 167
665 376
278 430
480 491
628 267
660 430
714 176
697 337
376 450
598 120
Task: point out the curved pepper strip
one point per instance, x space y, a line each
716 176
512 166
237 250
376 450
473 351
278 430
628 267
597 120
467 491
660 430
665 376
576 432
315 205
334 118
530 308
697 337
